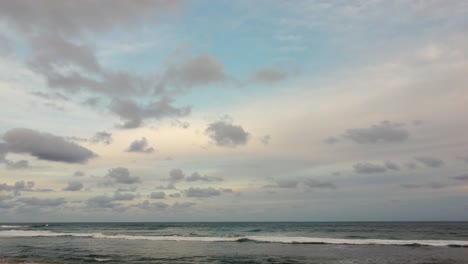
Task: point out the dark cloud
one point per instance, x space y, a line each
102 137
392 165
174 195
287 183
182 206
45 146
315 184
386 132
463 177
146 205
37 202
158 195
430 162
102 201
367 168
140 146
225 134
176 175
265 139
269 76
122 175
133 114
432 185
197 177
74 186
201 192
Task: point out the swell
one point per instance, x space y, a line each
254 239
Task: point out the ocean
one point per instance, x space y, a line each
247 242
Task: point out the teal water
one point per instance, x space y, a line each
285 242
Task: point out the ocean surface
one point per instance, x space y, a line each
255 242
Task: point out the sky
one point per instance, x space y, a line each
199 110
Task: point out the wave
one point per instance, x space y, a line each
11 226
255 239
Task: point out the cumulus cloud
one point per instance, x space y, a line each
430 162
201 192
78 174
102 201
225 134
122 175
37 202
18 187
176 175
331 140
146 205
197 177
74 186
133 114
158 195
385 132
102 137
174 195
265 139
17 165
392 165
45 146
119 196
367 168
140 146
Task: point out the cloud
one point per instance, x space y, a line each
74 186
158 195
201 192
197 177
315 184
463 177
174 195
367 168
18 187
17 165
146 205
118 196
102 201
37 202
140 146
201 70
176 175
287 183
386 132
430 162
432 185
269 76
45 146
331 140
265 139
392 165
133 114
122 175
78 174
225 134
102 137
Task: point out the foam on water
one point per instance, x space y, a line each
260 239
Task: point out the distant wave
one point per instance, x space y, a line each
256 239
11 226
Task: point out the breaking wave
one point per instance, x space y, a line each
254 239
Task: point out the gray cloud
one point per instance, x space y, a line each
176 175
37 202
146 205
122 175
225 134
392 165
315 184
140 146
133 114
195 71
118 196
287 183
432 185
45 146
17 165
367 168
463 177
102 201
201 192
102 137
269 76
78 174
158 195
331 140
74 186
265 139
197 177
385 131
430 162
18 187
174 195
